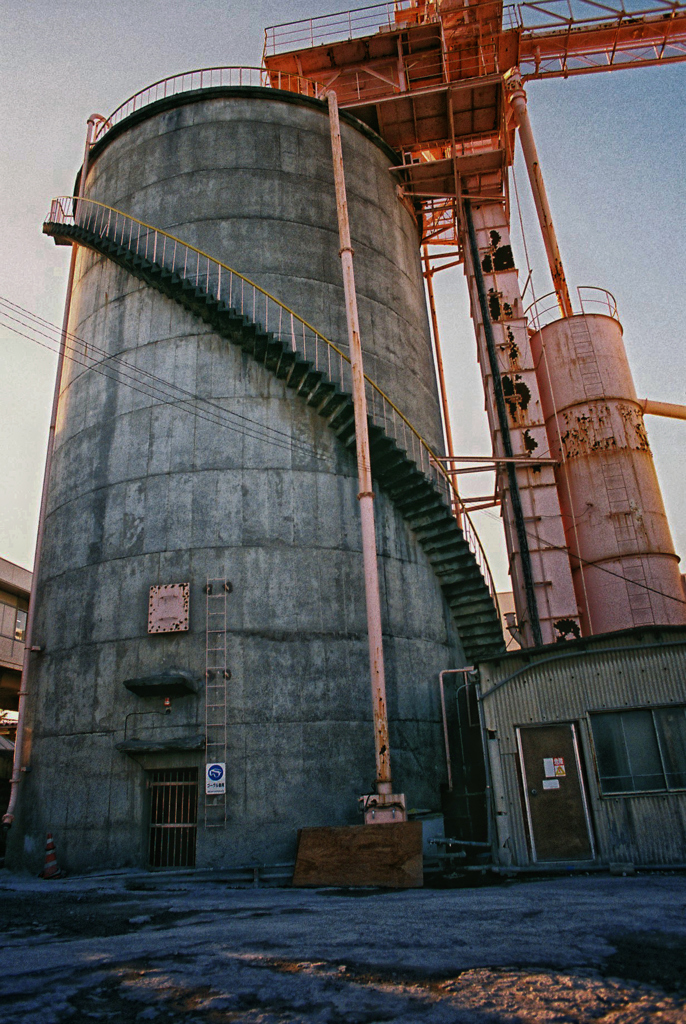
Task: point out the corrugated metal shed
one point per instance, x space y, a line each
637 668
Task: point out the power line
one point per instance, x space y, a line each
210 419
156 386
592 565
139 372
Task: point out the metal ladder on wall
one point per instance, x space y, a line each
216 677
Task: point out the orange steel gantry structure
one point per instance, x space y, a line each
429 76
442 82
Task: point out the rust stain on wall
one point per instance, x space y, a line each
635 425
499 257
512 346
517 394
566 628
530 443
595 429
497 307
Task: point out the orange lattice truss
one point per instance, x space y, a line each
430 76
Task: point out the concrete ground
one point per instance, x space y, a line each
170 948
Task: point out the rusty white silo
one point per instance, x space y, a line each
625 569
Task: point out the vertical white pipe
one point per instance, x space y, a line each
8 817
517 98
364 471
450 450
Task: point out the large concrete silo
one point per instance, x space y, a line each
146 493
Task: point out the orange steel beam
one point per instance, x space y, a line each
428 75
604 47
546 38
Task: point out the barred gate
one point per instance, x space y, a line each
173 817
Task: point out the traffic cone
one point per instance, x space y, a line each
51 870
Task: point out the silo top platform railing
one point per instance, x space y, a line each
546 310
206 78
274 317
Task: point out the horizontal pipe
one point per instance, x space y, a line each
672 410
462 842
567 869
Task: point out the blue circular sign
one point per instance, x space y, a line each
215 772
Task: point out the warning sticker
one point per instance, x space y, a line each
554 767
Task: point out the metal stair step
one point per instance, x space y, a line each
333 402
320 392
472 602
285 364
456 590
298 373
447 543
309 382
260 348
273 354
385 464
342 414
419 502
431 524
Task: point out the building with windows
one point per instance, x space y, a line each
15 588
586 750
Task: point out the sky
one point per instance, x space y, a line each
613 155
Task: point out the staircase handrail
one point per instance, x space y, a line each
206 78
157 246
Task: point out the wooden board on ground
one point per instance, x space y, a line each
388 854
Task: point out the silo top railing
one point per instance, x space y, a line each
590 299
273 316
206 78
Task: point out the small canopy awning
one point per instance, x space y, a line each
168 683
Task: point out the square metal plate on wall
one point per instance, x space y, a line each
168 608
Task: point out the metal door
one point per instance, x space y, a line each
554 796
173 817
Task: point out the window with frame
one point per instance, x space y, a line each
8 619
12 621
20 625
640 751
